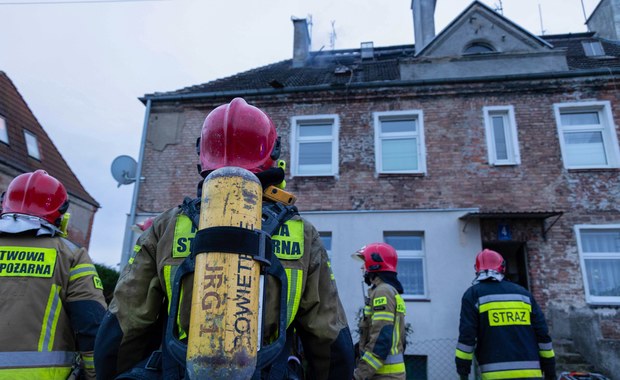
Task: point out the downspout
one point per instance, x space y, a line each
129 235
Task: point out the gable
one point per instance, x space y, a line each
482 43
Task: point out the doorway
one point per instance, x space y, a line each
514 253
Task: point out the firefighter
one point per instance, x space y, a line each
234 134
382 328
503 325
51 298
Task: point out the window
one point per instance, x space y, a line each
4 133
314 146
326 238
501 133
587 135
32 145
599 251
478 48
399 142
593 48
411 263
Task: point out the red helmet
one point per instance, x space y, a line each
37 194
490 260
238 134
378 257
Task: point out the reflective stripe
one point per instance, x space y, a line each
546 354
136 248
400 305
367 311
464 355
464 347
393 359
54 373
502 366
504 305
81 271
34 358
545 346
294 277
369 358
50 320
503 297
383 316
88 361
168 284
391 368
516 374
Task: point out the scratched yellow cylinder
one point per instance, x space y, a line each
223 331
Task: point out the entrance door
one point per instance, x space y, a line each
516 263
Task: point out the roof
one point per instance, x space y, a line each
18 118
340 68
511 215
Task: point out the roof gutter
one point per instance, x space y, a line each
408 83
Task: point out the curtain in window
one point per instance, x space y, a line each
411 275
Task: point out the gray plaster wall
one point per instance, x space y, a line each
450 248
605 20
483 66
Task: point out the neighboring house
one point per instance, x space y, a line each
482 136
25 147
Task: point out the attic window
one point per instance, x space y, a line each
4 134
32 145
367 49
478 48
593 48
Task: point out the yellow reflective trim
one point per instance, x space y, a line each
546 354
136 248
464 355
401 307
514 374
50 320
97 283
88 361
288 242
371 359
379 301
383 316
168 284
294 278
391 368
130 261
51 373
92 272
504 305
184 232
27 261
395 337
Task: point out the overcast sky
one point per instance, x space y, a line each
82 66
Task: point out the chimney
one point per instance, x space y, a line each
301 42
423 22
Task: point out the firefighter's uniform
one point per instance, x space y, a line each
51 303
382 334
146 284
503 325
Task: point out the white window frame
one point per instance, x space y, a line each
296 140
607 129
590 299
593 48
418 115
412 254
32 145
510 132
4 132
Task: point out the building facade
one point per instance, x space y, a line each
482 136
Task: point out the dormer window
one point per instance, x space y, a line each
478 48
593 48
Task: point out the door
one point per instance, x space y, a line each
516 264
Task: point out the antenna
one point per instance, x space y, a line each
332 36
542 29
585 18
499 8
124 170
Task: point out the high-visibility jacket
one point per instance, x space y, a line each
502 323
382 334
146 284
51 304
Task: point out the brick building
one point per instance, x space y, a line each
481 136
26 147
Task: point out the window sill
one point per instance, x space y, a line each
388 175
411 299
590 170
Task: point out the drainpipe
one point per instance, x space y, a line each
129 235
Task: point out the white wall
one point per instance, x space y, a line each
450 247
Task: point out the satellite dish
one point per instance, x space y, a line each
124 170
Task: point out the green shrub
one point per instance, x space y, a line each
109 277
